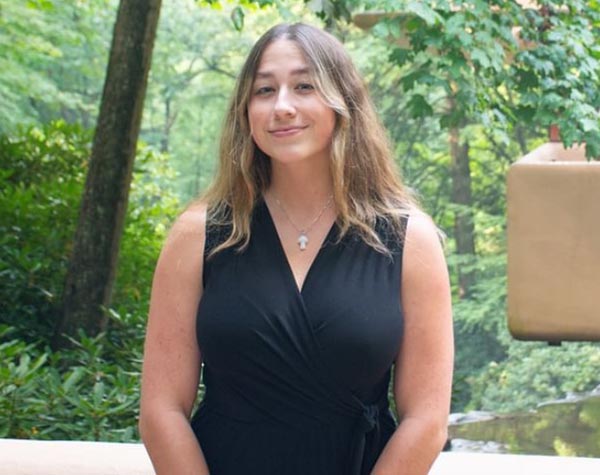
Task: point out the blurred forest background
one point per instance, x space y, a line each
462 100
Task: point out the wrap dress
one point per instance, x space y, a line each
296 381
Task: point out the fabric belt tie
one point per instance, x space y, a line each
366 423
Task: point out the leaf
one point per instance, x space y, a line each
98 394
525 113
400 55
38 363
589 125
420 76
214 4
237 18
23 367
455 25
419 107
73 378
40 4
422 10
481 57
316 6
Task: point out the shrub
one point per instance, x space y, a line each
40 187
41 183
72 394
90 391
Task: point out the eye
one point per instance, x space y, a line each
305 87
263 90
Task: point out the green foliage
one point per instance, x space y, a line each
480 329
89 392
459 48
558 79
193 70
327 10
42 174
238 12
535 372
77 394
53 56
43 170
152 208
22 47
549 74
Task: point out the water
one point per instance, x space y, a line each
569 428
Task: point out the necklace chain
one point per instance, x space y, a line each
303 232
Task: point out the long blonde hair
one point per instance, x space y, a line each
366 184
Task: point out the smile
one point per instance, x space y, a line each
286 131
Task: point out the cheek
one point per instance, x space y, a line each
251 121
256 128
330 123
255 120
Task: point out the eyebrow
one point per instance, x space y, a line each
294 72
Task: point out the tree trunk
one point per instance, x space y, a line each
91 271
464 229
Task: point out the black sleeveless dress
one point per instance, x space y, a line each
296 381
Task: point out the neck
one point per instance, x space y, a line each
303 188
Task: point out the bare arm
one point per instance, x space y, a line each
423 374
172 359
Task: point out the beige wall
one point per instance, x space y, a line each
554 245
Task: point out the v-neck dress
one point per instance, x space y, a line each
296 381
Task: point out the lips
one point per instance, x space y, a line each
286 131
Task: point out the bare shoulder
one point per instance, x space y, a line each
189 224
188 230
183 249
421 233
177 283
423 256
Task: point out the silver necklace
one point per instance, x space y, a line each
303 232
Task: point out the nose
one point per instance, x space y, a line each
284 103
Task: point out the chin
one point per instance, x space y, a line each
290 157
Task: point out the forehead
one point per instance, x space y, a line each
282 56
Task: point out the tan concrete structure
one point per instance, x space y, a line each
29 457
554 245
32 457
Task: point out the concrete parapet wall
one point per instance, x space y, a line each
31 457
37 457
553 208
464 463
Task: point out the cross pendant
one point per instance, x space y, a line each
302 241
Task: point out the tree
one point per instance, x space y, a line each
52 57
91 272
497 63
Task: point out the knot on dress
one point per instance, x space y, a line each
369 418
368 421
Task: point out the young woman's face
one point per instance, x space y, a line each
288 118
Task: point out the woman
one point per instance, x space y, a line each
299 279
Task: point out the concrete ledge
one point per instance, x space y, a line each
31 457
464 463
41 457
